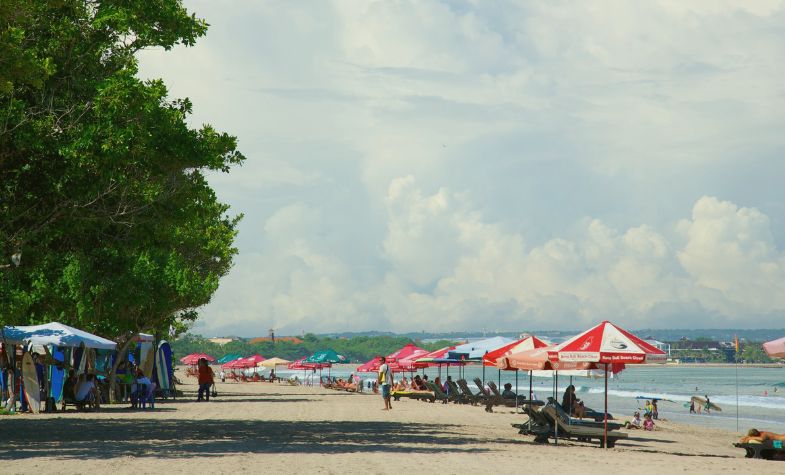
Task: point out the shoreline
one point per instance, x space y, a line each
717 365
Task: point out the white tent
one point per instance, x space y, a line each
56 334
476 349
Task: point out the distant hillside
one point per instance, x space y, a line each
722 334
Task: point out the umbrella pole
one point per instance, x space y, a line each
483 375
605 416
531 393
500 378
555 390
516 390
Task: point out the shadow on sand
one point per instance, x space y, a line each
175 438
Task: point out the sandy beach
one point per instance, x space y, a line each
278 428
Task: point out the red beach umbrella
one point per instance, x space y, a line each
405 355
528 343
194 358
775 348
606 344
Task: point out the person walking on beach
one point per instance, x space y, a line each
385 380
206 375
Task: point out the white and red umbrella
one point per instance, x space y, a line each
775 348
194 358
606 344
528 343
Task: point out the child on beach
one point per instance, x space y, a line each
635 423
648 423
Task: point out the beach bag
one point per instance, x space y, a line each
215 392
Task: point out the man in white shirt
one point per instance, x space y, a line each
385 382
85 392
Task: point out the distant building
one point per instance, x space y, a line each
221 341
660 345
291 339
696 345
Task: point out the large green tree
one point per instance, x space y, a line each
102 181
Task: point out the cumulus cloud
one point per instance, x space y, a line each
457 164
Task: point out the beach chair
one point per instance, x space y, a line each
418 395
590 413
568 419
537 425
494 397
468 394
149 397
458 394
577 432
767 450
437 391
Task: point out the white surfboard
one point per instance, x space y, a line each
30 378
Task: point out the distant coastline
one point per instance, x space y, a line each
721 365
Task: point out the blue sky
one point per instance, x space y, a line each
471 165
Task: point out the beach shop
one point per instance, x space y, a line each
43 366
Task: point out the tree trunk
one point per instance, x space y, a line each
120 358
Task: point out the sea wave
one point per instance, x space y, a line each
769 402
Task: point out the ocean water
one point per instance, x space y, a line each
761 392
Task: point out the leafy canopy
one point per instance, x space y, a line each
103 184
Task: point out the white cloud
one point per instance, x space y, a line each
452 164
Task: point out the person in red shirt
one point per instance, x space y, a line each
205 374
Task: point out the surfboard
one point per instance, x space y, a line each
79 359
30 378
56 376
146 358
702 402
163 364
651 398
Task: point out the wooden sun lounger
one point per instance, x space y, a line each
419 395
537 425
763 450
494 398
458 394
469 395
579 433
590 413
437 391
567 419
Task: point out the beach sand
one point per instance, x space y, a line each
277 428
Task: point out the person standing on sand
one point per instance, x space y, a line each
385 380
205 380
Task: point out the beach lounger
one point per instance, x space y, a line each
419 395
437 391
767 450
579 433
494 398
567 419
469 395
590 413
458 394
537 425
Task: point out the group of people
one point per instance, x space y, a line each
636 423
696 408
349 384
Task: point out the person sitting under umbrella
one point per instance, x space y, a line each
571 403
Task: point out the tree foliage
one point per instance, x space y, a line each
103 182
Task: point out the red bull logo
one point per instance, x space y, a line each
586 343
